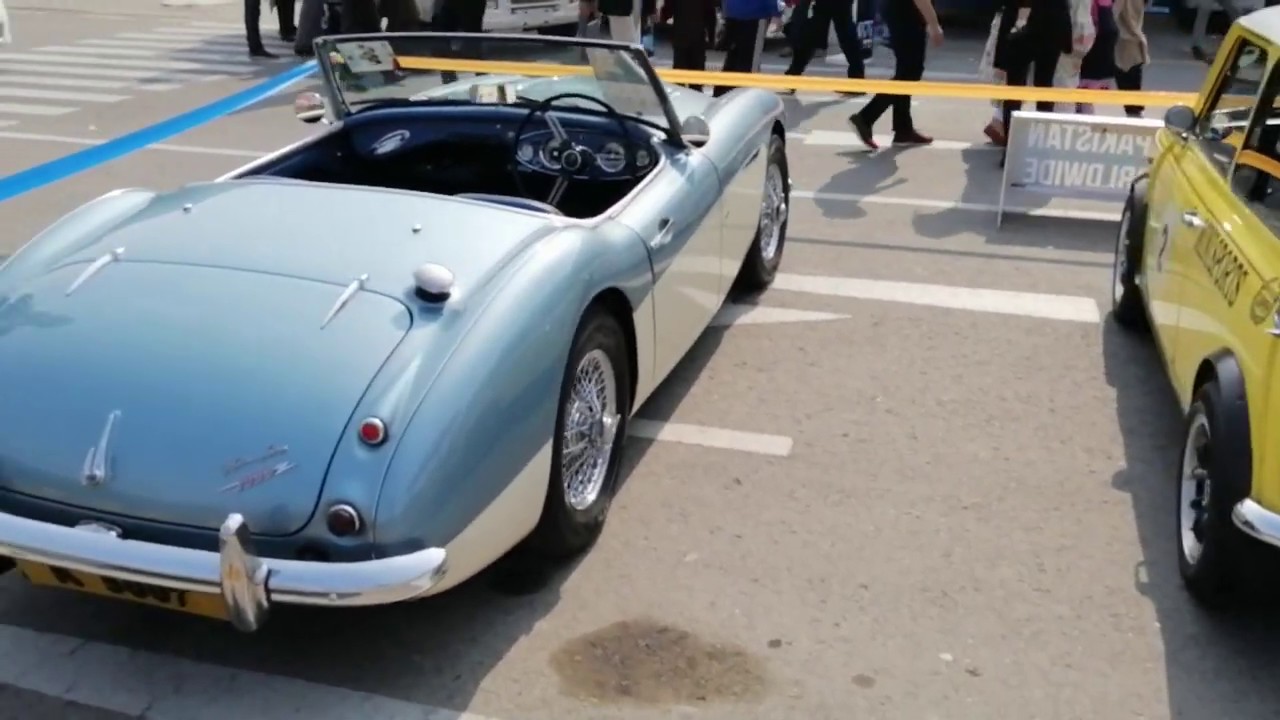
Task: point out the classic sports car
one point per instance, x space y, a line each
361 369
1197 262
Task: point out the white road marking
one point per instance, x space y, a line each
192 149
221 67
158 43
180 55
712 437
36 94
63 82
733 314
144 78
1005 302
217 25
198 32
843 138
1063 213
230 42
8 123
26 109
164 687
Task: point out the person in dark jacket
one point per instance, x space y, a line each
913 25
1031 51
253 33
811 31
745 25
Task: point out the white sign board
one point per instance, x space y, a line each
1089 157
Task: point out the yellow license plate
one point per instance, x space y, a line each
207 605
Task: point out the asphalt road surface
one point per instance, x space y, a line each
879 493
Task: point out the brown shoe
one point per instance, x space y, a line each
863 130
911 138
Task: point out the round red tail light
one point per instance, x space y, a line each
373 431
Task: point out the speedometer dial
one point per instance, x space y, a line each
612 158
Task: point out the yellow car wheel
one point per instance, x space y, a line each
1213 476
1126 297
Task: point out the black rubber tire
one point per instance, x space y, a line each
562 531
569 30
756 272
1127 305
1215 577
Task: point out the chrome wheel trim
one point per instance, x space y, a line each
1193 496
1121 263
773 213
591 420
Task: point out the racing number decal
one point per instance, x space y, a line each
1225 268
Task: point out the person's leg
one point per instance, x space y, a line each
1130 79
908 55
841 13
1044 66
909 67
284 13
252 31
809 19
1200 29
741 54
310 27
1016 75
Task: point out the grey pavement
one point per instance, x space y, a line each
971 520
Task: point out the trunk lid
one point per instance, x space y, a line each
227 394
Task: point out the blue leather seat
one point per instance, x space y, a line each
513 201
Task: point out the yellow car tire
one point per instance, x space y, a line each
1215 456
1126 296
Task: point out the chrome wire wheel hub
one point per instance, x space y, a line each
1121 264
590 427
1193 501
773 213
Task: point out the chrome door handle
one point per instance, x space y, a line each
1192 220
666 229
1274 330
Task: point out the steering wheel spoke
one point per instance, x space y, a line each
557 190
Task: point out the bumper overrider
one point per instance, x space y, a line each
1257 521
248 584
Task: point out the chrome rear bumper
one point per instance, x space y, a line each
248 584
1257 521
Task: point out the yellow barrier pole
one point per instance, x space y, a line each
924 88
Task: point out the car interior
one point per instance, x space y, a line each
579 164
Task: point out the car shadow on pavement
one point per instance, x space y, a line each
1216 666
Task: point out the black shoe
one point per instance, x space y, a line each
863 130
261 52
304 52
1198 53
288 35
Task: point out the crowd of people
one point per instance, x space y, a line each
1046 43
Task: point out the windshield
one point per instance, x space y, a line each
365 70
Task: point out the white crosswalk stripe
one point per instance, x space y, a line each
60 79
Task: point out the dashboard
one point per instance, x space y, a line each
593 147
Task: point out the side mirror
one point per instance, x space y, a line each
309 107
695 131
1180 120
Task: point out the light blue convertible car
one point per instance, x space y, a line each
363 368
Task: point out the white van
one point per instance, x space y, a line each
548 16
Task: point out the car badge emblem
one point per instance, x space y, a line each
261 475
390 142
98 462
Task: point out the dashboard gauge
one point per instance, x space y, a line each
526 152
612 158
644 158
551 152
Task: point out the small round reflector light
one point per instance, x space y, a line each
373 431
343 520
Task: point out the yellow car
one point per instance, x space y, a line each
1197 263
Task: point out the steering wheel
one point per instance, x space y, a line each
572 157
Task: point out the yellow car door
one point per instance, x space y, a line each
1207 271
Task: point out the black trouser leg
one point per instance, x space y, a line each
360 16
1130 79
806 25
252 33
847 36
909 44
1039 67
745 39
284 13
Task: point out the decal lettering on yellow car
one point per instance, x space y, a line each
1225 268
1266 302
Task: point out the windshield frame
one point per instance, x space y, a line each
343 110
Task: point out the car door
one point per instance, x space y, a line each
678 215
1209 271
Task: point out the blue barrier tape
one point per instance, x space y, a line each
50 172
